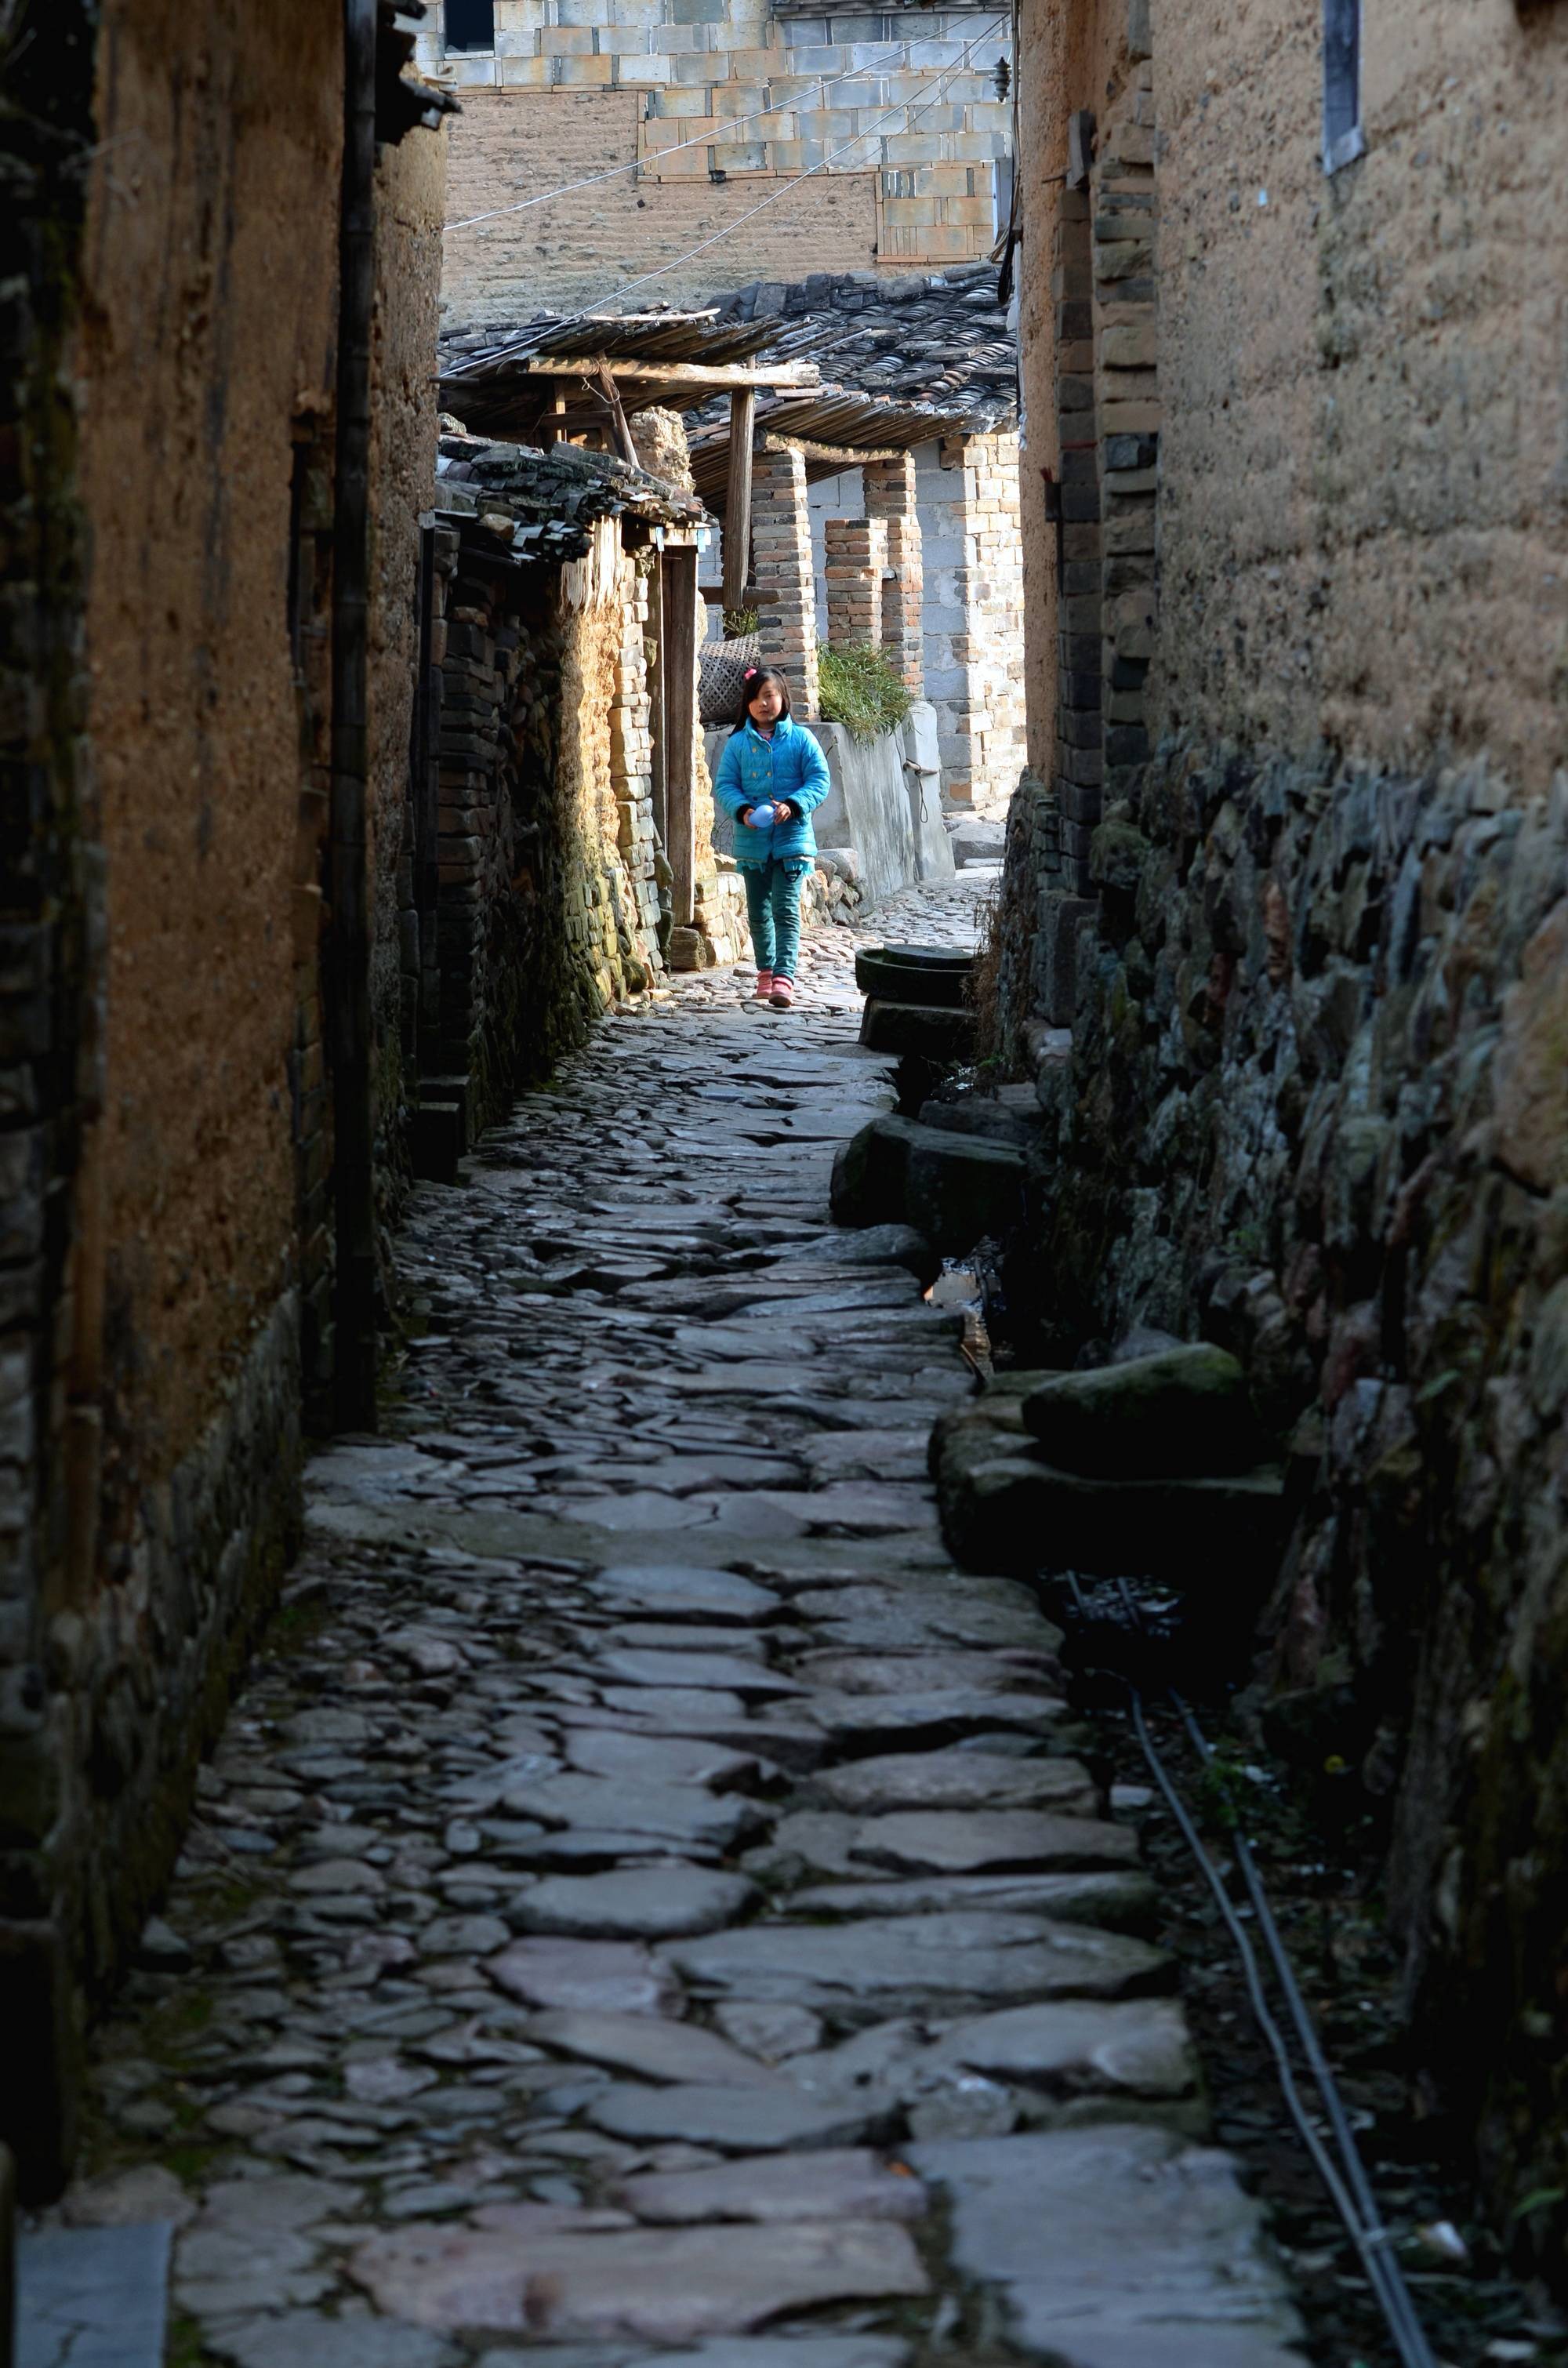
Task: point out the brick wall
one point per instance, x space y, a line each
968 494
716 104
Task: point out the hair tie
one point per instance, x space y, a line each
751 674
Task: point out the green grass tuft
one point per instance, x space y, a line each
859 689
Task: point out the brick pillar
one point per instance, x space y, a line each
782 571
890 495
856 554
975 622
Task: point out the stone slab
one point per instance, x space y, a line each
673 1813
981 1954
1120 1903
789 2351
848 2183
592 1976
93 2297
523 2269
1107 2237
979 1841
673 1591
961 1779
307 2339
651 2047
633 1901
656 1759
733 2119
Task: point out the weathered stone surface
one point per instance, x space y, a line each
1196 2260
790 2352
632 1902
1121 1903
978 1954
530 2269
1140 2048
656 1759
974 1841
294 2337
671 1591
849 2184
598 1976
651 2047
673 1813
733 2119
1178 1410
961 1779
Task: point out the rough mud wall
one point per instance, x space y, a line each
410 201
212 273
1364 499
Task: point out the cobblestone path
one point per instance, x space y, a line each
647 1905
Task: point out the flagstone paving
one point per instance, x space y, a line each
647 1905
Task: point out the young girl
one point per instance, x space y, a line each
770 776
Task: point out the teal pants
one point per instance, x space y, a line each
773 908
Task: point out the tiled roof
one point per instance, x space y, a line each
940 339
553 496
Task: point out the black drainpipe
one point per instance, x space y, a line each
348 974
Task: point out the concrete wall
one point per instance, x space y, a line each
558 101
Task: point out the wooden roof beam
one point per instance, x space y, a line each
626 366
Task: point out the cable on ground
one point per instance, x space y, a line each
1347 2186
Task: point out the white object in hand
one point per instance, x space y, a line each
761 817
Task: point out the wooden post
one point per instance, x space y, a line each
678 656
737 505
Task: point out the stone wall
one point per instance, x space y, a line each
907 148
1317 1107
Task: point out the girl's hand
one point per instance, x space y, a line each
743 815
784 810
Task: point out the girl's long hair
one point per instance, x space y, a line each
751 683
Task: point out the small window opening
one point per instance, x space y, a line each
1342 140
470 25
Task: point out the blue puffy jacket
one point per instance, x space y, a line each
753 770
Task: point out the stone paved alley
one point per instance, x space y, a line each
646 1903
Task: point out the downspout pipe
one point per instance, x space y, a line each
349 884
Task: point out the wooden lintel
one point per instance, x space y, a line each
847 456
708 374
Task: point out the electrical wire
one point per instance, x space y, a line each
1349 2188
938 84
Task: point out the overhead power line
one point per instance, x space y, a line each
661 270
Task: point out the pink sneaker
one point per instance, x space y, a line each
783 994
764 985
